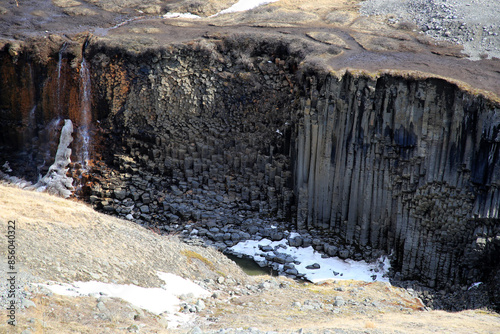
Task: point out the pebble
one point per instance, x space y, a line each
26 303
339 301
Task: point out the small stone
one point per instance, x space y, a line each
26 303
120 194
220 280
95 276
101 307
200 305
344 254
313 266
331 250
196 330
339 301
281 258
276 235
133 328
295 242
265 248
265 285
163 321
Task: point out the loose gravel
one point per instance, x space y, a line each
474 24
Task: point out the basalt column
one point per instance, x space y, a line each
409 166
401 164
202 122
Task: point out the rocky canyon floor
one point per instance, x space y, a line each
62 241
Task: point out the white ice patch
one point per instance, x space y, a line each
6 167
155 300
240 6
244 5
170 15
474 285
330 268
55 181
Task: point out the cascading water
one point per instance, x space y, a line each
85 115
32 118
49 135
60 83
32 113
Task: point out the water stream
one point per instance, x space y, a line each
85 115
250 267
60 85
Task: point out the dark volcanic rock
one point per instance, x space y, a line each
235 134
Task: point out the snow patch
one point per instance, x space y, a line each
55 181
156 300
330 268
474 285
6 167
240 6
170 15
244 5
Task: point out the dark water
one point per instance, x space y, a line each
251 267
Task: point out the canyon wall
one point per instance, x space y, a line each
410 166
224 130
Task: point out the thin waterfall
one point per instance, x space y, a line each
50 133
85 114
32 114
60 84
32 121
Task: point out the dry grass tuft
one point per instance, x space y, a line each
370 324
193 255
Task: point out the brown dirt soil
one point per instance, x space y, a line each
371 43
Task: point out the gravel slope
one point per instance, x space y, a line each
475 24
63 241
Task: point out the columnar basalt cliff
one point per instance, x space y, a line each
410 166
224 130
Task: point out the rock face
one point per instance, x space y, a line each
405 165
36 94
